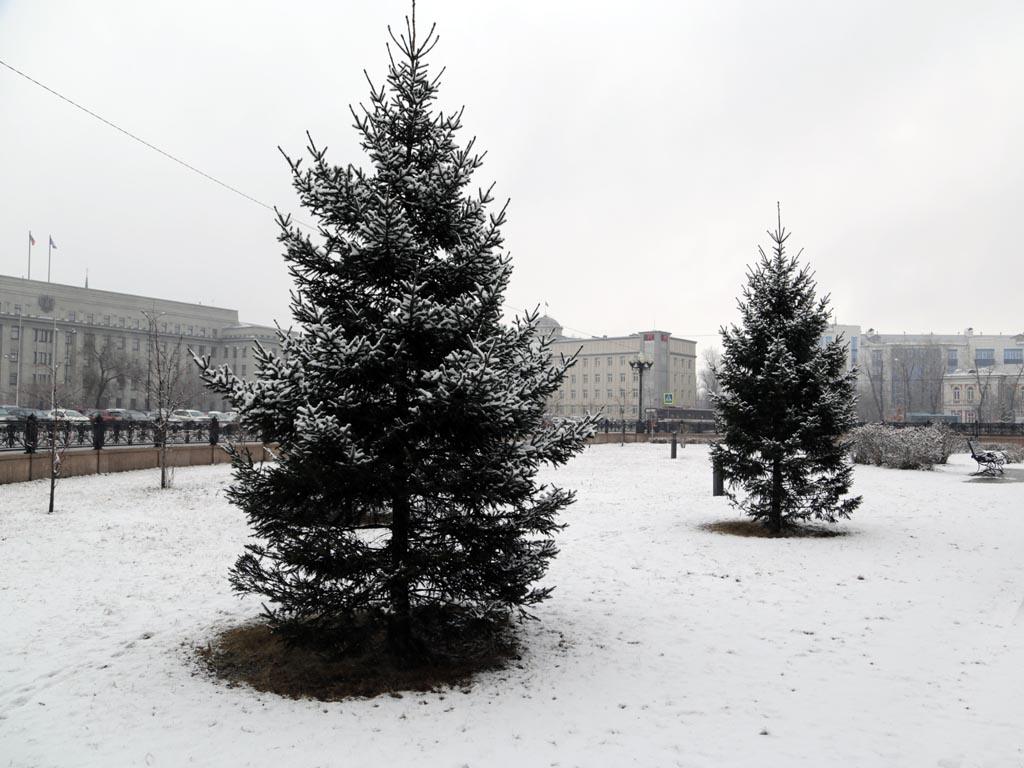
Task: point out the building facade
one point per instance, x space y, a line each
99 346
966 376
603 381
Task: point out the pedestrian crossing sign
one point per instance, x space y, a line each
668 398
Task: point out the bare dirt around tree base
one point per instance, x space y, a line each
755 529
255 655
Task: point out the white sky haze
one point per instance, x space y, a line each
643 146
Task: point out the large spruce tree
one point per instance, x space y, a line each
409 418
786 401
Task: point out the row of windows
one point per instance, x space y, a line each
585 394
91 318
595 362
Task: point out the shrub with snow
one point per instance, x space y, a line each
903 447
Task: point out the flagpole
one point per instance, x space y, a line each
49 254
29 255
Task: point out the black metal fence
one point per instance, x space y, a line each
28 437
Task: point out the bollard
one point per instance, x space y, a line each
673 445
717 484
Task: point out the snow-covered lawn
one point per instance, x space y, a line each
898 644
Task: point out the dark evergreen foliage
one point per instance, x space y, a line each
409 417
787 402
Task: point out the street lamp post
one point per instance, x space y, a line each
640 364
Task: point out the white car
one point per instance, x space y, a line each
187 414
65 414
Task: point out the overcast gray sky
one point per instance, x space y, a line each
643 145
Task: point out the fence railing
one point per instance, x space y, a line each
30 438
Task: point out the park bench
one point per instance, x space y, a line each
990 463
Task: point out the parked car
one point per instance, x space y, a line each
6 415
189 414
172 417
64 414
131 415
223 417
17 412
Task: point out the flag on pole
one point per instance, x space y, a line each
31 240
52 244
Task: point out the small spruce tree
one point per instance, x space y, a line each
786 402
409 417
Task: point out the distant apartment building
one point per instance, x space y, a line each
968 376
99 344
603 381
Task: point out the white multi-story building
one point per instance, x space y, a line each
604 381
99 345
968 376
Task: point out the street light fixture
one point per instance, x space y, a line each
640 364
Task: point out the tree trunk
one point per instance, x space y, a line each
401 643
775 514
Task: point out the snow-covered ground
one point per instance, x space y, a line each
898 644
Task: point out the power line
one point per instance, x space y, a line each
145 143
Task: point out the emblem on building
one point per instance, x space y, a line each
46 303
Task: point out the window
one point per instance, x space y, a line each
243 370
234 354
120 322
1013 356
610 361
597 362
586 394
90 318
609 379
106 319
177 328
956 394
951 361
135 345
202 331
42 358
40 335
135 324
190 331
622 360
17 309
876 359
622 378
572 378
586 379
245 352
15 332
12 379
970 394
853 350
121 342
572 394
585 361
72 317
983 358
609 394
